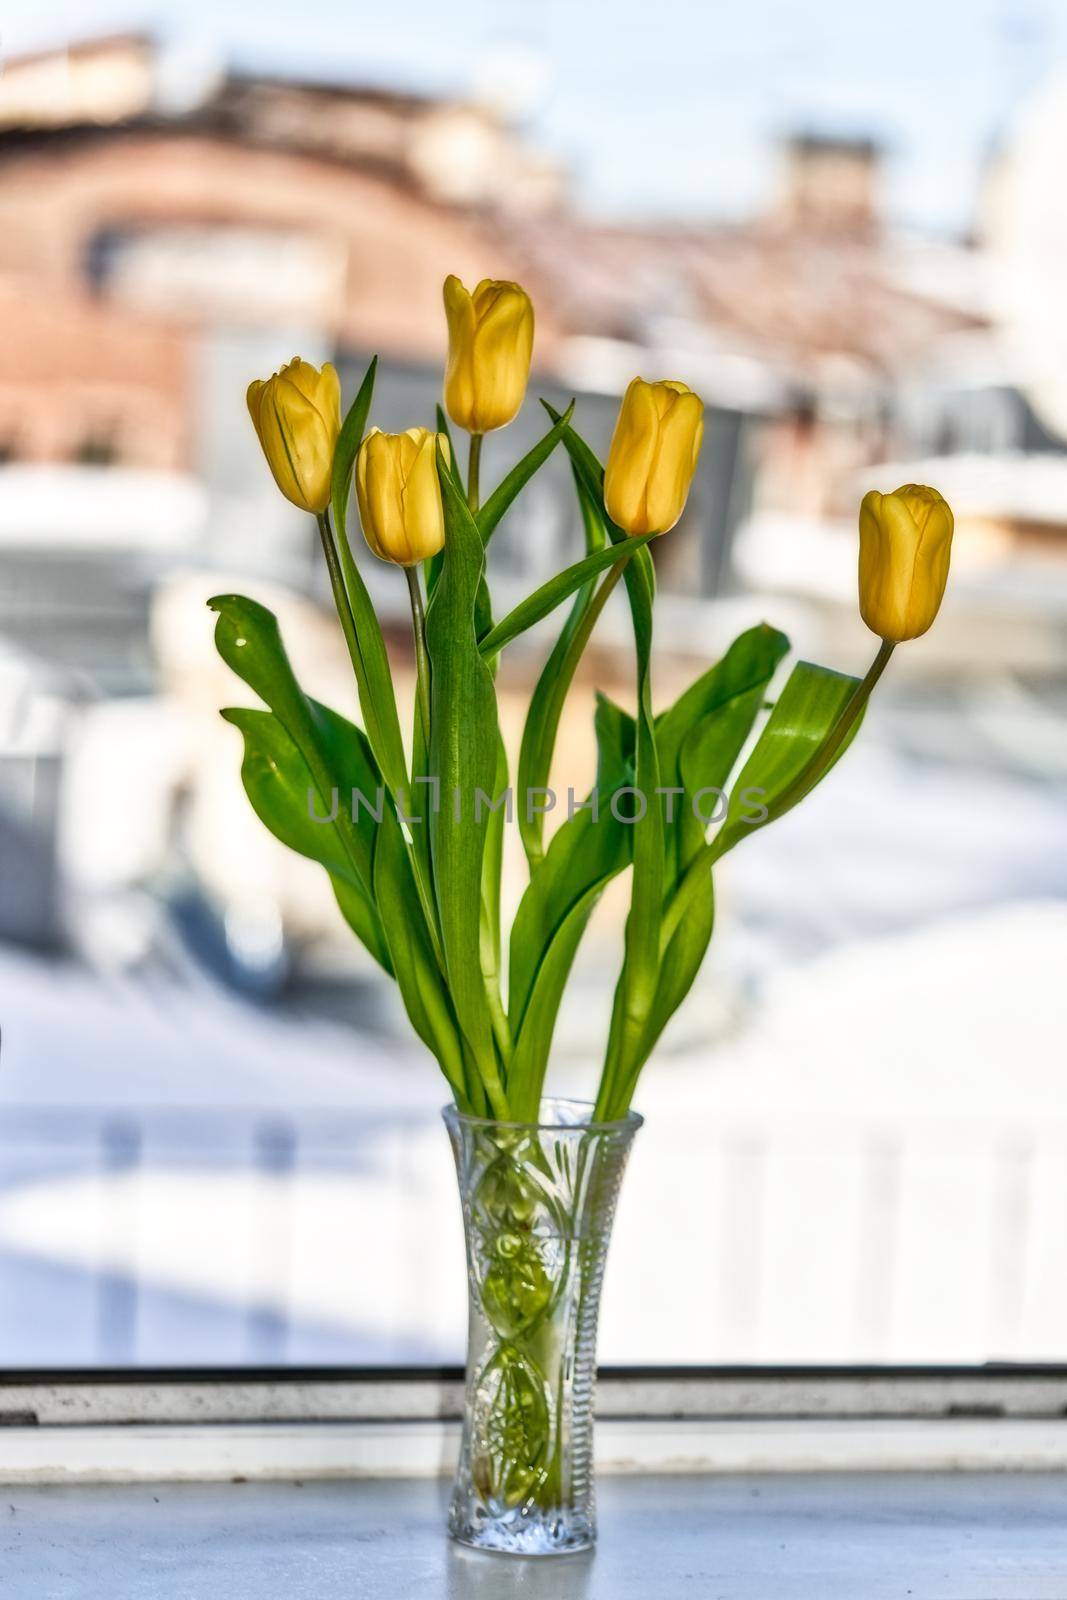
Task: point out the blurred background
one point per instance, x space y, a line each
846 227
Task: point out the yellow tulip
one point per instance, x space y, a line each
297 416
490 339
653 456
905 545
399 494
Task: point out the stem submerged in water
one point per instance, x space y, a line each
538 1205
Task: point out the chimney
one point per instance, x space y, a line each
831 184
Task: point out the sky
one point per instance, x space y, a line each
668 108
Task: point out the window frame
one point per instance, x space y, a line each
295 1424
177 1395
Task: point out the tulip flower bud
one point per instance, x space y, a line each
297 416
653 456
490 338
399 494
905 544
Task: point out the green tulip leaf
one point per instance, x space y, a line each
285 797
701 736
553 593
362 917
463 757
529 1061
779 770
436 562
583 852
353 429
550 692
335 752
483 610
370 660
502 496
492 870
585 462
417 805
422 989
680 963
587 851
782 768
446 432
636 988
748 664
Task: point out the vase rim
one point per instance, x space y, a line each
558 1123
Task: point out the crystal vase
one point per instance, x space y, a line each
538 1202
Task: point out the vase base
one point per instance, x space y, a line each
550 1533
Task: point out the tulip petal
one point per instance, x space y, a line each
423 517
378 494
630 458
503 343
905 549
664 392
406 447
321 388
932 564
487 292
680 433
360 477
459 376
253 399
297 418
285 421
490 341
885 568
399 495
327 397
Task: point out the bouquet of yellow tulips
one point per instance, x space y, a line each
411 832
411 835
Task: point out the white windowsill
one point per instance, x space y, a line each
184 1452
732 1485
122 1428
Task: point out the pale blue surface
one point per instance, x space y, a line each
765 1538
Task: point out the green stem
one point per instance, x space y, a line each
802 784
498 1016
474 465
337 584
422 660
452 1059
603 1111
475 1087
640 974
600 599
420 753
489 1076
378 711
348 628
533 840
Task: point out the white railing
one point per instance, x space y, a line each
213 1238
